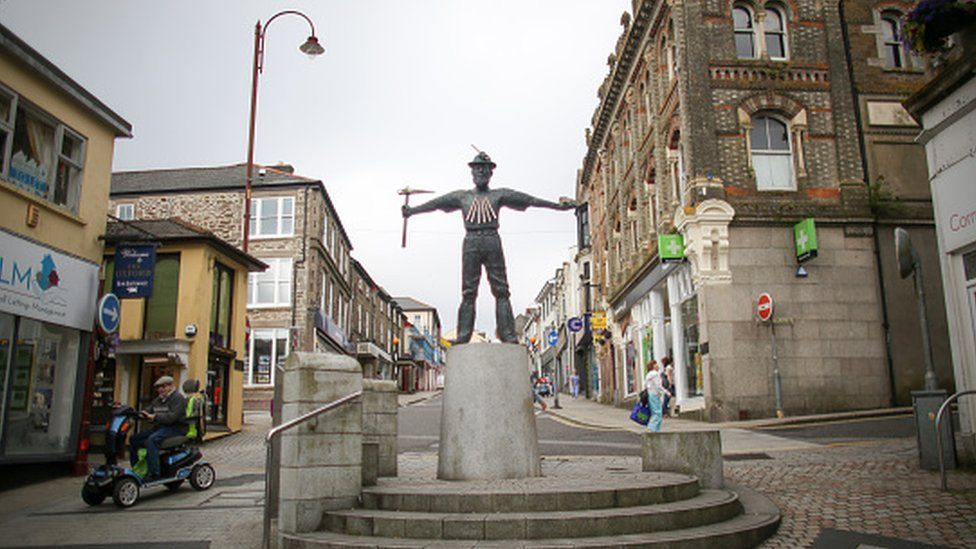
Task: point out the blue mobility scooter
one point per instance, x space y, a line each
179 457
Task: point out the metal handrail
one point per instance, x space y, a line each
275 431
938 433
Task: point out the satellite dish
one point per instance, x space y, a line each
904 252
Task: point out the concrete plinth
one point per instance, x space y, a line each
487 420
321 459
697 453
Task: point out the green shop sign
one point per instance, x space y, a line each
805 239
671 247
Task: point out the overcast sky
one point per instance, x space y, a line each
403 90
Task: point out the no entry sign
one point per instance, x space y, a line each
764 308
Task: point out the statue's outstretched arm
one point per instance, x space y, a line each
520 201
446 203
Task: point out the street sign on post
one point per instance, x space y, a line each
553 337
764 307
574 324
598 320
109 313
805 240
671 248
134 265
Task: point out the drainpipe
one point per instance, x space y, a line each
294 273
893 394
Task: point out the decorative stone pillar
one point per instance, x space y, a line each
321 459
380 422
706 236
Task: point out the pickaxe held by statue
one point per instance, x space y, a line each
406 192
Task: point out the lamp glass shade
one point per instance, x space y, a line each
311 47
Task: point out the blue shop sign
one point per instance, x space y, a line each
134 265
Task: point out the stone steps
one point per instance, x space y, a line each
708 507
746 530
530 495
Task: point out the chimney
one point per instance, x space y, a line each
286 168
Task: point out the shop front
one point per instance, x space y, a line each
663 322
47 307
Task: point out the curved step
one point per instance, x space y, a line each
743 531
530 495
709 507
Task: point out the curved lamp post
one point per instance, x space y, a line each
312 48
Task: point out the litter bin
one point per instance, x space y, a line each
926 406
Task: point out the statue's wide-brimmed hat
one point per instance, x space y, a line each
482 158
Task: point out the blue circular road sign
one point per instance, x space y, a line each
109 313
574 324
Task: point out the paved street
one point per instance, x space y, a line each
830 479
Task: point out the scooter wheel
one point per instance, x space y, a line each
174 486
202 476
92 496
126 492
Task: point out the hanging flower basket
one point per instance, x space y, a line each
931 22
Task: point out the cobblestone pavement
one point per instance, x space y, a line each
874 487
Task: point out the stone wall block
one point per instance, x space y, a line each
696 453
322 458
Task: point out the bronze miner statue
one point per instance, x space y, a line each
482 245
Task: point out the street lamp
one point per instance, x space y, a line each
312 48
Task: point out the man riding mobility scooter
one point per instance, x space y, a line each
179 457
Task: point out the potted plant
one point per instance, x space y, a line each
931 22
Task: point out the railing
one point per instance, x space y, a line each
938 432
269 438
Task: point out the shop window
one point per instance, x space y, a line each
125 212
272 217
221 309
745 41
272 288
217 389
772 155
774 29
38 153
693 360
40 390
160 310
268 349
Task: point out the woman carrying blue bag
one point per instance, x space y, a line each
655 396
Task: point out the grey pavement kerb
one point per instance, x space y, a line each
737 437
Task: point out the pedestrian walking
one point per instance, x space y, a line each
667 381
655 395
574 384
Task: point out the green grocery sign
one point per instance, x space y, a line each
671 248
805 239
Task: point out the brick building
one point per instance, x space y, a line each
303 301
727 123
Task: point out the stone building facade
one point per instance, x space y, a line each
727 123
303 301
376 327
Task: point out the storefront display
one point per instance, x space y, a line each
692 362
43 377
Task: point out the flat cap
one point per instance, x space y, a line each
164 380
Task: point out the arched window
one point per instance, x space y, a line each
772 153
894 53
774 28
672 52
745 42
